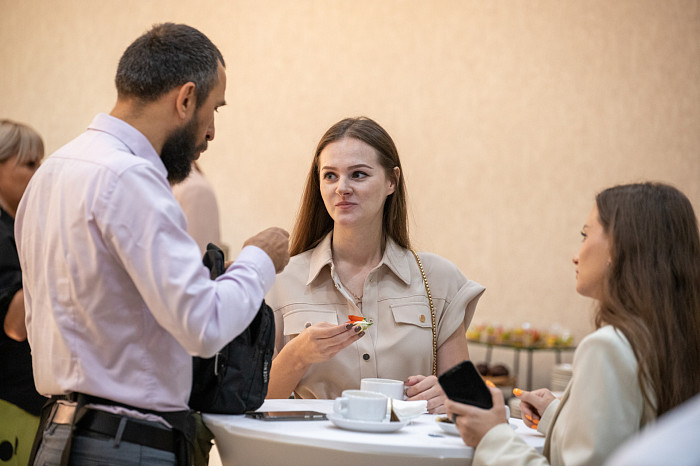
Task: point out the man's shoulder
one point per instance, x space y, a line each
94 150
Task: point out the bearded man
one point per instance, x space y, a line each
117 299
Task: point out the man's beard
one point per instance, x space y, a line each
179 151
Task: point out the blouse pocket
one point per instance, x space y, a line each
417 314
297 320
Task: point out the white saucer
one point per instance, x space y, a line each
365 426
451 429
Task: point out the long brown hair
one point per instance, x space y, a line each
313 221
652 289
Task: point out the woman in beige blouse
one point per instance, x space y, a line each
640 260
352 257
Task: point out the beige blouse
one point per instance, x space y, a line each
399 344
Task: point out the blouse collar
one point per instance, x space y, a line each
395 258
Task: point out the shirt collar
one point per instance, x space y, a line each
132 138
395 259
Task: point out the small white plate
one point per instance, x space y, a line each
452 429
365 426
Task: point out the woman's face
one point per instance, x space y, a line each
14 178
593 259
354 185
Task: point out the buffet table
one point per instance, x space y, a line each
245 441
557 350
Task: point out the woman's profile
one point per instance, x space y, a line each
640 260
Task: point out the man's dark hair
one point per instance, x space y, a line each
167 56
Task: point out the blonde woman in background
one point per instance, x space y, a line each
21 151
640 260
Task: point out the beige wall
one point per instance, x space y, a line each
509 115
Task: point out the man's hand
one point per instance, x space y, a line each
275 242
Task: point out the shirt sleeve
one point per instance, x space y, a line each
145 228
502 446
605 404
603 409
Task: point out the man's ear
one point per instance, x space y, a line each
186 100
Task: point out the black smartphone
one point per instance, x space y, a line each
287 415
463 383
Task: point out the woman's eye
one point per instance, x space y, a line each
328 176
359 174
583 236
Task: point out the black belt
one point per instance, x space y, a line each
108 424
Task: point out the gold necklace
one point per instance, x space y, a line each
358 299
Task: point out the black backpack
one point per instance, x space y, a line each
235 379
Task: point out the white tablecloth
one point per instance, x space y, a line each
243 441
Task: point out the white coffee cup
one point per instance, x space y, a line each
361 405
389 387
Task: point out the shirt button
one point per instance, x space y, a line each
365 357
422 318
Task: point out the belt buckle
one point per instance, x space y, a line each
63 413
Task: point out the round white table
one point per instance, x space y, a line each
243 441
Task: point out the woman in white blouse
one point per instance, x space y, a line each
640 260
352 257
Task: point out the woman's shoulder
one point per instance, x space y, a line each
291 282
608 335
436 262
439 268
606 344
297 268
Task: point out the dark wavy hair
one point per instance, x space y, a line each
652 289
167 56
314 222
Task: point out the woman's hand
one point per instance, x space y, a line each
14 319
472 422
316 343
533 404
320 342
420 387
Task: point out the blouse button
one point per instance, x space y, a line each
365 357
422 318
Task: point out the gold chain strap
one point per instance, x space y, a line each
432 311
